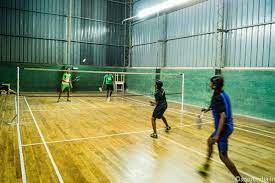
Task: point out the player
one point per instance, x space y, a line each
221 110
3 87
161 106
108 80
66 84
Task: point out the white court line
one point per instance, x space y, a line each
238 124
273 133
105 136
143 132
90 104
203 155
46 110
21 155
175 111
196 106
45 145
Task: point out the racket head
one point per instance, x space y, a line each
199 120
77 78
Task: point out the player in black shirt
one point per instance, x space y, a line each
161 106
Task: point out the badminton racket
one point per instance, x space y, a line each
76 79
199 120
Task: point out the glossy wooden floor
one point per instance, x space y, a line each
91 140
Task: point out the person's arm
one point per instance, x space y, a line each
63 78
103 82
156 102
220 127
113 80
70 81
206 110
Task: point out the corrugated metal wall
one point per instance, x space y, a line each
191 39
145 37
36 31
251 39
30 36
191 36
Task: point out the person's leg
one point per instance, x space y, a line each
154 134
209 151
205 167
111 91
68 94
166 124
230 165
107 93
60 92
154 124
164 121
223 149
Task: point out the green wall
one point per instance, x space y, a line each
252 92
196 89
141 84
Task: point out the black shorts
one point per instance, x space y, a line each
110 87
4 87
159 111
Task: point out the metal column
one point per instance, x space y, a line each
219 61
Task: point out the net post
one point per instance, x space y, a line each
17 93
182 92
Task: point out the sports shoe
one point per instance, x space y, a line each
203 170
168 128
154 135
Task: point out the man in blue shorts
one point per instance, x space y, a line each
221 110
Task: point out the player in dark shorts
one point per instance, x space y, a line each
161 106
108 80
223 122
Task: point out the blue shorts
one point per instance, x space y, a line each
223 140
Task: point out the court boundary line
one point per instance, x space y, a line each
161 136
203 155
105 136
238 124
26 110
236 114
90 104
57 172
144 104
243 172
19 140
175 111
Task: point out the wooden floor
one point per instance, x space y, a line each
91 140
